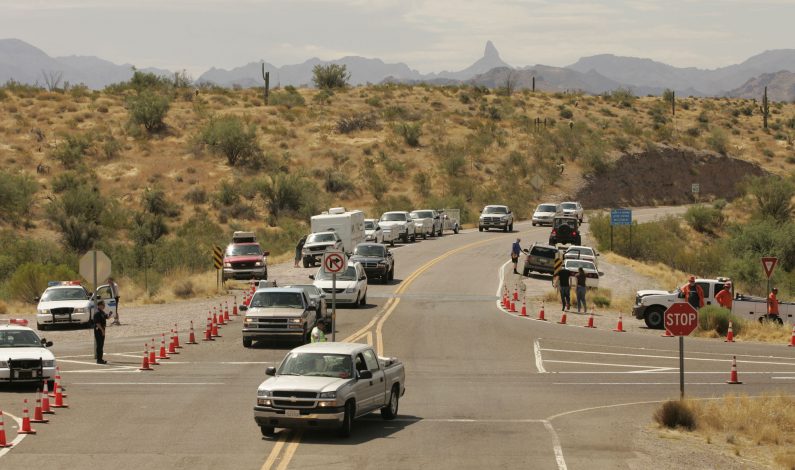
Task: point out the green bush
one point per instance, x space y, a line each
196 195
229 136
718 140
30 280
16 196
337 181
622 97
72 149
410 132
773 196
16 250
715 318
78 213
292 194
566 113
675 414
330 76
356 122
601 301
290 98
703 218
148 109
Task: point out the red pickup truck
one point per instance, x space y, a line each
244 258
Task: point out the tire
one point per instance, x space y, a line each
357 303
346 429
41 327
305 263
654 318
265 274
267 431
363 302
306 337
511 227
455 230
480 229
391 275
390 411
424 235
534 224
392 242
414 238
404 237
247 342
526 272
505 229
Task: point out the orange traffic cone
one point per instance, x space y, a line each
562 318
515 294
221 320
668 334
234 306
145 362
38 416
792 340
524 307
172 348
215 316
153 355
733 377
163 354
620 327
541 313
226 312
59 403
208 331
26 429
176 338
729 334
590 319
3 442
45 401
513 306
214 326
58 383
192 335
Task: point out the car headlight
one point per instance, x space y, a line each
227 265
296 320
381 264
249 320
350 290
3 364
503 218
328 395
44 311
264 393
258 264
81 310
47 363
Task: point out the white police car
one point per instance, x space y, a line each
24 356
69 303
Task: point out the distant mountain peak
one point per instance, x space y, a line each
491 51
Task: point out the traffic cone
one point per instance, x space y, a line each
620 327
215 316
729 334
172 348
3 442
221 321
524 307
26 429
176 338
226 312
562 318
541 313
234 306
192 335
733 377
668 334
513 306
145 362
163 354
208 331
45 401
590 319
215 330
153 355
515 293
792 340
58 383
38 416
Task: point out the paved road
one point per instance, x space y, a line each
485 389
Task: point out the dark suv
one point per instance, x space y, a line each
540 258
376 260
565 230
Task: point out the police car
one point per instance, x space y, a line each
69 303
24 356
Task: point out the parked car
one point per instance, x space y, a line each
244 258
25 357
278 313
69 303
317 244
592 274
540 258
544 213
494 216
573 209
581 252
376 259
317 298
565 230
328 385
372 231
451 220
399 224
351 284
429 220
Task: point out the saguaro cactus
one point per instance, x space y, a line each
534 83
765 109
267 77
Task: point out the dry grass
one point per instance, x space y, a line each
172 288
668 277
3 308
766 332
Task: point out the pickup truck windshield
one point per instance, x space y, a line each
422 215
19 339
243 250
348 275
369 225
318 365
395 217
369 250
321 237
569 205
547 208
77 293
276 300
495 210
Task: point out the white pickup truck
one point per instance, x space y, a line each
650 305
328 385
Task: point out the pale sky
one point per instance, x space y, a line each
427 35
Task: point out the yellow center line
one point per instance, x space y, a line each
364 332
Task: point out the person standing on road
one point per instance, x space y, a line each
100 322
317 335
516 249
564 285
694 294
724 297
114 292
298 249
581 287
772 303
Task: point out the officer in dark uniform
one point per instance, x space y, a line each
100 322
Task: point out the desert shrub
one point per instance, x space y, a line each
228 193
184 289
374 101
196 195
16 196
718 140
16 250
30 279
747 243
600 301
146 81
111 148
290 194
330 76
289 98
148 109
715 318
703 218
72 149
356 122
154 201
622 97
393 166
772 195
410 132
69 179
323 96
392 203
565 113
78 213
337 181
422 183
231 137
675 414
148 228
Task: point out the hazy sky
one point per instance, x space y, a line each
428 35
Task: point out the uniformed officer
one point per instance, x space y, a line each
100 322
317 335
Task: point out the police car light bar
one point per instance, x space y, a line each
14 321
63 283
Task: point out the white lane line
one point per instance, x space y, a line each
613 346
672 371
148 383
637 383
460 420
634 366
653 370
17 439
539 359
783 378
650 356
556 447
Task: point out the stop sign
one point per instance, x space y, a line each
681 319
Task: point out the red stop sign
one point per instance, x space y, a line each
681 319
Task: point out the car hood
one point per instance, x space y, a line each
360 258
309 245
392 223
369 231
232 259
644 293
274 312
303 383
26 353
326 284
63 303
543 214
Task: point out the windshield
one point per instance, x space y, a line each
495 210
394 216
547 208
543 251
19 339
348 275
422 215
369 250
77 293
580 251
243 250
321 237
369 225
317 365
276 300
569 205
308 288
576 264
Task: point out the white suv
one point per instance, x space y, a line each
400 224
496 217
573 209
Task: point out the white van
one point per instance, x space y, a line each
349 226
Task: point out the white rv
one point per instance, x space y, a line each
349 226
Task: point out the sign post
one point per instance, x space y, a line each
769 264
218 262
334 262
95 266
620 217
695 188
680 320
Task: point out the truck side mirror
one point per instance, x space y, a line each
266 253
365 374
312 276
270 371
243 308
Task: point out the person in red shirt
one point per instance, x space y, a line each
694 294
772 303
724 297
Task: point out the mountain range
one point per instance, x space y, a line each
596 74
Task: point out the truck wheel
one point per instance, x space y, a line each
654 318
390 411
424 235
392 242
455 230
510 228
526 272
391 273
347 421
306 263
41 327
265 274
247 342
267 431
505 229
364 299
480 229
404 237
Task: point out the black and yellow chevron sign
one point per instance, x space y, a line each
218 257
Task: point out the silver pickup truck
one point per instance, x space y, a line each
279 313
328 385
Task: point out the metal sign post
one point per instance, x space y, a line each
218 262
333 307
334 262
769 264
680 320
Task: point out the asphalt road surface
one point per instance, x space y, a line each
485 388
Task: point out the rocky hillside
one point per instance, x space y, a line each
780 87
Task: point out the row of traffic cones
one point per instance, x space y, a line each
42 408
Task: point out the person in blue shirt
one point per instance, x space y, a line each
516 249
